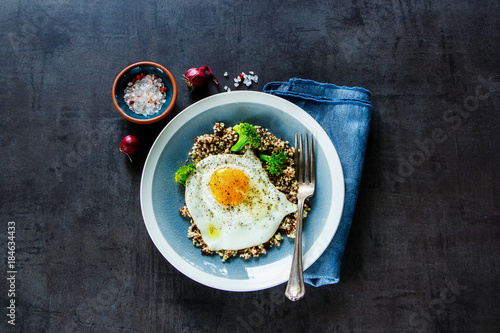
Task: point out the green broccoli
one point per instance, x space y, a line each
247 135
275 162
183 172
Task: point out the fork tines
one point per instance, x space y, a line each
304 160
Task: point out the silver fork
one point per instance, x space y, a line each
305 171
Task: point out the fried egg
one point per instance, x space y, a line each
233 203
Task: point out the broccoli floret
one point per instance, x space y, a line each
275 162
247 135
183 172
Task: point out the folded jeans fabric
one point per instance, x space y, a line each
345 115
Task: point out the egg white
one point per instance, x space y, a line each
249 223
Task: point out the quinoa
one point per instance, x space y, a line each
220 142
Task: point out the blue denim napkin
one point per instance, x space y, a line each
345 114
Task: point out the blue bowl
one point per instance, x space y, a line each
161 197
130 73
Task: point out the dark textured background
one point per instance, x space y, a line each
423 253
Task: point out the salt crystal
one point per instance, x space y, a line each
145 96
246 79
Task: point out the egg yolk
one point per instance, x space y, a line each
229 186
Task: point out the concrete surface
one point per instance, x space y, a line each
423 253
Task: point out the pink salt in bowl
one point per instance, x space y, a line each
161 88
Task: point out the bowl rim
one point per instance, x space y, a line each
149 120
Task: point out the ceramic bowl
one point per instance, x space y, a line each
161 197
127 75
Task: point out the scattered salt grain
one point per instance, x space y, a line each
146 95
243 78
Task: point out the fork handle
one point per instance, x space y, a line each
295 288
